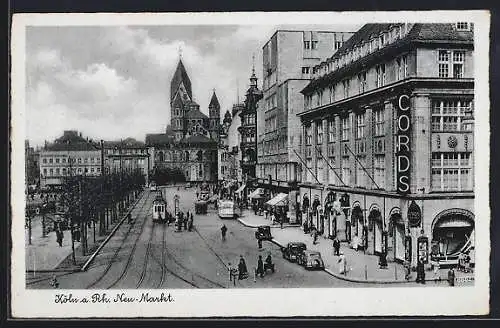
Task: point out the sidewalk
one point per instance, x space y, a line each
363 268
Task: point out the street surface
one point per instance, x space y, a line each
148 255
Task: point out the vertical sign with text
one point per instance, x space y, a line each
403 144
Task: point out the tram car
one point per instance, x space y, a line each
201 207
160 209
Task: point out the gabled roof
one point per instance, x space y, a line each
126 143
195 113
214 102
180 76
71 141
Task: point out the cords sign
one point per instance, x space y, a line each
403 144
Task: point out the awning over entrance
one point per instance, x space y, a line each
240 189
257 193
279 198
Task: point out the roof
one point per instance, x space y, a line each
72 141
128 142
159 139
214 102
180 76
420 32
195 113
197 138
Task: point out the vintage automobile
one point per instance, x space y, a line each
188 185
310 260
200 207
293 250
263 233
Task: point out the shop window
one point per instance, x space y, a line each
447 115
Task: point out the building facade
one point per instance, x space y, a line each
71 154
248 131
32 165
388 151
126 155
289 60
190 142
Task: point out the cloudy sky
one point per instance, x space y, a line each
113 82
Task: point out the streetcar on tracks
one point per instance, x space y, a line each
228 209
160 213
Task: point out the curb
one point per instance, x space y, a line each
92 257
271 226
339 276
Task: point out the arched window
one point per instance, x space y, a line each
186 156
161 156
199 155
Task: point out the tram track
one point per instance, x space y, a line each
117 251
132 252
146 257
211 248
162 265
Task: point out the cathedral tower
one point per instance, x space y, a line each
180 96
214 117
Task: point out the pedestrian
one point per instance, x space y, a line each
436 272
306 228
420 272
223 231
129 217
259 243
260 267
190 223
242 269
185 221
315 237
336 246
232 273
53 282
451 277
342 261
59 236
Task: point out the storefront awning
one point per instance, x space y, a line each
257 193
240 189
279 198
456 223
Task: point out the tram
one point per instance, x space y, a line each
160 209
228 209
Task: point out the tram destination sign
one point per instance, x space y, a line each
403 144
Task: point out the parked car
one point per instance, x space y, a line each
263 233
188 185
311 260
152 187
293 250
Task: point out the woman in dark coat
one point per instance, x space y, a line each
260 267
242 269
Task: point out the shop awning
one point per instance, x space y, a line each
257 193
240 189
454 223
279 198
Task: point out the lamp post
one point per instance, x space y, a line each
29 215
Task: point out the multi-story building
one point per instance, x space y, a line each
248 132
191 141
126 155
71 154
388 151
32 165
289 60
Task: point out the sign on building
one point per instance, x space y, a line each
403 144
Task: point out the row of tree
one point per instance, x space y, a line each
87 201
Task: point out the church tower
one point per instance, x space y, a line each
214 117
180 96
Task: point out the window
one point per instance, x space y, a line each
44 161
447 115
305 70
331 130
451 171
51 172
455 59
44 171
463 26
380 75
51 160
382 39
64 171
337 45
307 44
92 170
378 117
98 170
361 176
360 126
57 160
309 177
320 169
332 177
331 90
308 135
345 128
319 132
379 163
58 171
346 171
63 160
314 44
79 161
345 83
362 82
